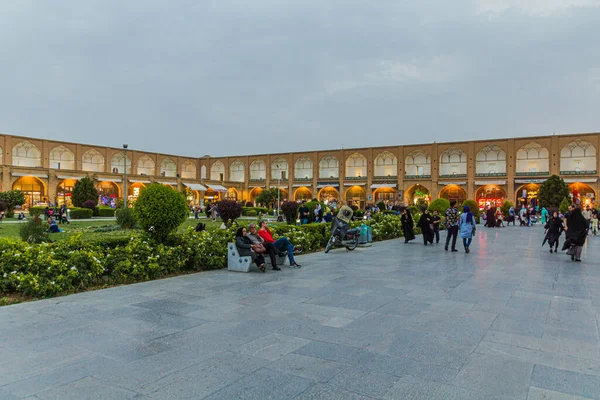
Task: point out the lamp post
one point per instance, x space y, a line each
125 176
278 189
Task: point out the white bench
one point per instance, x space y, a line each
237 263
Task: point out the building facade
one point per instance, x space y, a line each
487 171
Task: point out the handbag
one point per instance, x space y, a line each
259 248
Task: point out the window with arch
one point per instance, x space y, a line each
417 163
279 169
203 172
92 161
356 166
453 162
490 160
168 168
533 158
386 164
25 154
188 170
258 170
117 164
303 168
236 171
217 171
62 158
1 156
146 166
578 157
329 167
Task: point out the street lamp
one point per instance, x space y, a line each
125 176
278 189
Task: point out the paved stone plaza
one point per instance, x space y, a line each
393 321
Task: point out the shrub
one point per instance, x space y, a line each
505 207
258 210
441 205
413 210
249 204
11 199
251 213
381 206
359 214
290 211
564 205
80 213
106 212
36 211
125 218
33 231
422 204
84 190
229 211
473 207
159 210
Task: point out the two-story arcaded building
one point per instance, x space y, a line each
488 171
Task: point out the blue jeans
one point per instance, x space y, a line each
467 241
304 221
284 244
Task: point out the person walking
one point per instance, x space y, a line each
451 225
511 216
544 216
436 225
576 232
467 228
594 225
426 223
407 224
554 227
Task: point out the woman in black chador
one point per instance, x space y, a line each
425 223
554 228
576 232
407 224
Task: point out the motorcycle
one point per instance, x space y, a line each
340 234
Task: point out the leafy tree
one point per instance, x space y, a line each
267 197
84 190
11 199
505 207
473 207
422 204
159 210
553 191
229 211
290 210
441 205
564 205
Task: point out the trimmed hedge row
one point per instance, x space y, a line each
106 212
254 211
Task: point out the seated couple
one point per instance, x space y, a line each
248 243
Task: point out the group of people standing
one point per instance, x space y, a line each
430 226
576 226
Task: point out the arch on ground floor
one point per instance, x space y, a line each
192 196
356 196
527 194
490 196
133 191
415 192
582 193
385 195
210 196
453 192
108 192
303 193
254 193
232 194
64 192
33 188
328 194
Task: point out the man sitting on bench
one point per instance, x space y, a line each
257 239
280 244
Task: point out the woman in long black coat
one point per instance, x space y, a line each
555 228
407 224
576 233
425 223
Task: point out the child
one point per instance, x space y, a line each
595 225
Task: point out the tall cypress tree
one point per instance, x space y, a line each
84 190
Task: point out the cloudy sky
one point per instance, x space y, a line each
229 77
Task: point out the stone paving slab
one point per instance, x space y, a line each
392 321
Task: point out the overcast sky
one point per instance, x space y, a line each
229 77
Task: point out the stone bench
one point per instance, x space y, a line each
237 263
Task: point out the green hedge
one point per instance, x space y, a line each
36 211
80 213
106 212
254 211
251 213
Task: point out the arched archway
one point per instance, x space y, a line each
303 193
356 196
328 194
386 164
582 193
453 162
490 196
453 192
417 163
92 161
64 192
232 194
26 154
108 192
578 157
527 194
254 193
32 187
415 192
133 191
385 195
62 158
210 196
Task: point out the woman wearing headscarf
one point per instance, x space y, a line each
555 228
245 248
576 229
407 225
467 227
490 220
544 216
425 223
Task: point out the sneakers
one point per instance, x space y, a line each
276 268
297 250
295 265
467 249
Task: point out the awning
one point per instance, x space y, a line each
354 184
490 182
302 185
138 181
167 183
196 186
324 185
69 177
383 185
217 188
530 180
25 174
280 187
108 180
582 180
452 183
256 187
